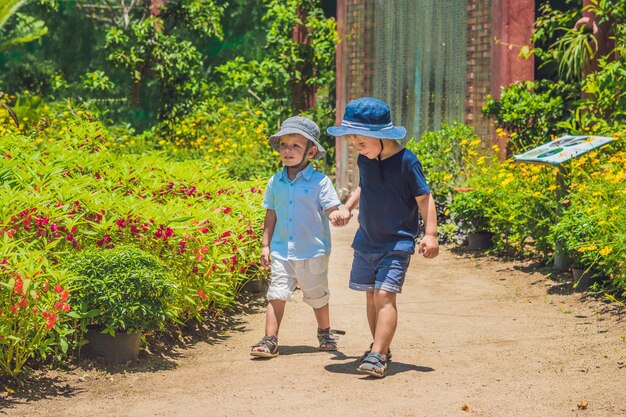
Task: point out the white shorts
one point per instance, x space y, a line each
311 275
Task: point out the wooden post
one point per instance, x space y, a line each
562 260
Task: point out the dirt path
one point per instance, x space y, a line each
474 332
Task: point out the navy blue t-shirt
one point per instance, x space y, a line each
388 213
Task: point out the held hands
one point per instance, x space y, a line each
340 217
265 256
428 246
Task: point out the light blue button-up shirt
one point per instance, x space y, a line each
302 230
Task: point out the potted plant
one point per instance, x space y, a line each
121 293
469 210
571 236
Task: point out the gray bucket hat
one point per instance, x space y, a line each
302 126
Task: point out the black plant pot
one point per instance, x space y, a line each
479 241
584 278
121 348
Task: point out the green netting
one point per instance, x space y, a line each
419 61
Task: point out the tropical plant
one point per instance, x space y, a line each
25 28
151 45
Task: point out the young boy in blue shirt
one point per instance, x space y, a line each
299 202
392 190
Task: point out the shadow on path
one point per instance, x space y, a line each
392 369
163 353
36 387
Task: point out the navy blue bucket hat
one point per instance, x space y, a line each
368 117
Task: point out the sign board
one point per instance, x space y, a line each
562 149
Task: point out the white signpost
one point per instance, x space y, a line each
556 153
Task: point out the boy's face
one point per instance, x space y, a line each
366 146
291 149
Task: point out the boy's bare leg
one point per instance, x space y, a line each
386 320
322 315
273 317
371 312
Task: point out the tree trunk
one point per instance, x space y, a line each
303 94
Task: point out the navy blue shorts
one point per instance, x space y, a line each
379 270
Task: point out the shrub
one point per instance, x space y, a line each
34 306
528 112
469 209
447 156
129 289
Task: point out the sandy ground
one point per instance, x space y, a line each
476 336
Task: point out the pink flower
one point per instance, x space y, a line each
227 210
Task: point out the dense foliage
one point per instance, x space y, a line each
65 191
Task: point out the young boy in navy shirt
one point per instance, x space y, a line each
391 195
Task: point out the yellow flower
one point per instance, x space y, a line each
605 250
587 248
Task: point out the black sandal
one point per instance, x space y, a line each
269 344
327 339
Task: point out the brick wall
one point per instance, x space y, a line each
479 46
355 70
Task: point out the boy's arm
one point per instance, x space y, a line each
351 204
268 231
428 246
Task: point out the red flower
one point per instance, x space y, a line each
23 302
52 318
58 289
15 308
201 294
44 287
58 305
10 233
66 307
64 295
227 210
19 286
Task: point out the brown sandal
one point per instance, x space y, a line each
269 346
